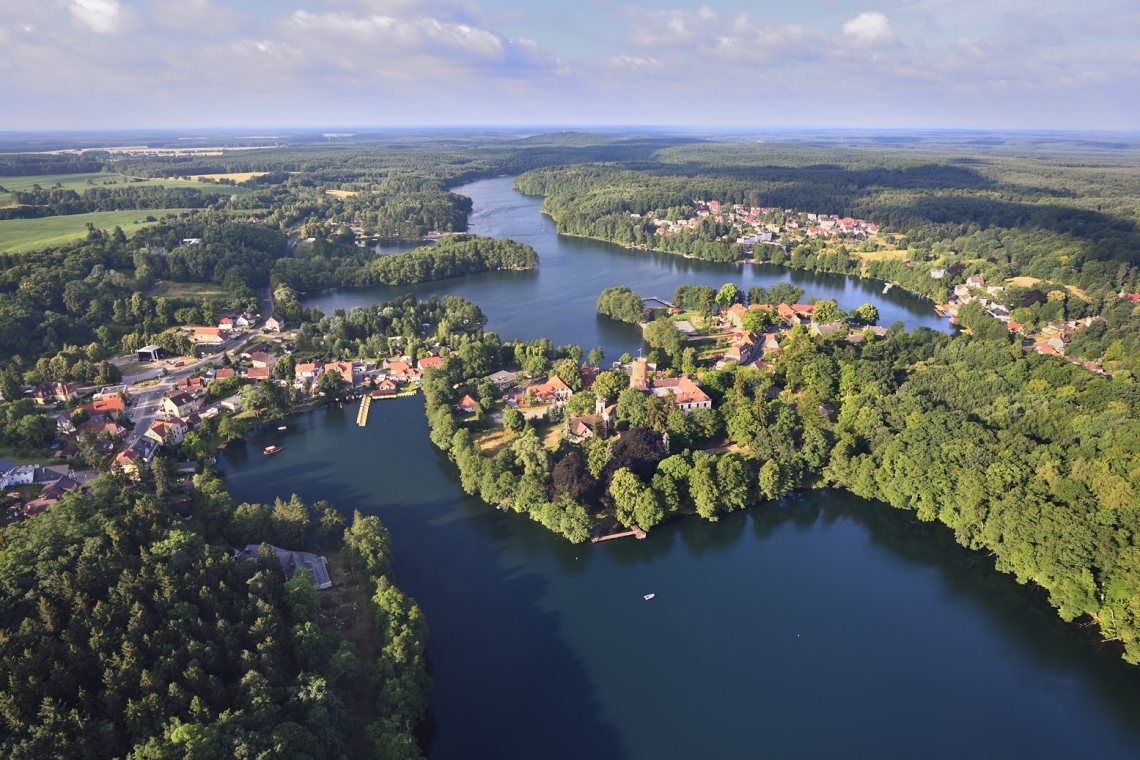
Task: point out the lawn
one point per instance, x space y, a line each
78 182
169 289
340 193
36 234
494 440
881 255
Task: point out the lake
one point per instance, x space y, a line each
821 627
557 300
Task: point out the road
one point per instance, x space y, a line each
146 403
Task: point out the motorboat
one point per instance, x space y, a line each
271 450
649 596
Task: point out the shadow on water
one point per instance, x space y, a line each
492 648
1021 612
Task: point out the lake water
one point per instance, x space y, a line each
823 627
557 300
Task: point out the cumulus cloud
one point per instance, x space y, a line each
870 29
102 16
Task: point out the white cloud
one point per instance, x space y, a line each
870 29
103 16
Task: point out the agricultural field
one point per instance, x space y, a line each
36 234
78 182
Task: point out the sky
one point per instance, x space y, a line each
894 64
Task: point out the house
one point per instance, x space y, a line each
742 346
291 562
386 387
261 359
63 424
976 282
223 373
579 429
189 385
58 488
735 315
102 428
1050 347
243 320
210 336
275 323
1014 327
503 378
468 405
308 370
687 394
231 404
402 372
54 391
133 460
110 405
589 375
179 405
431 362
552 391
257 374
187 468
167 432
771 343
346 370
226 322
937 274
794 314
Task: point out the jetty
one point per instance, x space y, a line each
634 531
362 412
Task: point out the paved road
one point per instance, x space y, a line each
146 402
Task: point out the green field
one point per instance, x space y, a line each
36 234
78 183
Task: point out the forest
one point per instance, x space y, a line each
1028 460
129 633
325 264
1049 217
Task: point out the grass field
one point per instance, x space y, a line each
187 289
236 177
78 182
36 234
340 193
882 255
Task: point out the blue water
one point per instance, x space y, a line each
557 300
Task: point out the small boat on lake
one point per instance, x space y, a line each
271 450
282 428
887 287
649 596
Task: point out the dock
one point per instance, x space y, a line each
362 413
634 531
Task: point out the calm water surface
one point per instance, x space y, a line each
823 627
826 627
557 300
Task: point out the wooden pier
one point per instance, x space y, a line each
634 531
362 413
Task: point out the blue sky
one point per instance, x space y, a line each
1004 64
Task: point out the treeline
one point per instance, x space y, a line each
1044 219
150 641
78 299
325 264
380 329
622 304
59 202
38 164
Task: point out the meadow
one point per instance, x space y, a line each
78 182
34 234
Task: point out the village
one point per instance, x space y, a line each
767 225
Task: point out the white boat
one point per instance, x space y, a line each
888 287
649 596
281 428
